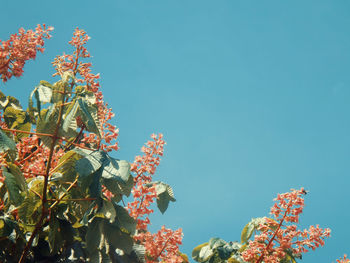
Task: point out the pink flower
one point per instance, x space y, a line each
344 259
162 246
278 235
19 48
82 72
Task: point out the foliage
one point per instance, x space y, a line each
61 192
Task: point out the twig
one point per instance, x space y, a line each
260 259
68 189
33 133
73 199
44 211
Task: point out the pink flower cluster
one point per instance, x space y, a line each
277 236
145 166
64 63
344 259
19 48
162 246
33 156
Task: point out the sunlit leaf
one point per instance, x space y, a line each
202 252
6 143
47 124
249 228
14 186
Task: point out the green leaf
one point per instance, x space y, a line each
236 258
165 194
30 209
58 88
13 102
66 166
88 114
90 169
139 251
3 101
68 76
116 169
124 221
90 163
47 124
25 126
94 234
88 213
118 188
16 118
88 96
44 93
117 238
108 211
116 176
249 228
95 187
6 143
14 186
9 228
225 251
17 173
216 242
55 236
69 122
202 253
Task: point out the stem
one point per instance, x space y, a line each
29 156
27 132
73 199
48 135
35 192
68 189
83 147
76 139
44 211
37 174
161 251
260 259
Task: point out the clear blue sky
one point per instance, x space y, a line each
252 97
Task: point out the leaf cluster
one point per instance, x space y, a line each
81 222
220 251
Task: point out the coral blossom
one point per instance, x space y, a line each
82 73
19 48
164 245
344 259
279 235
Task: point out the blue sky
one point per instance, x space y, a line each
252 98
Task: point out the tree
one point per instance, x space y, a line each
61 192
